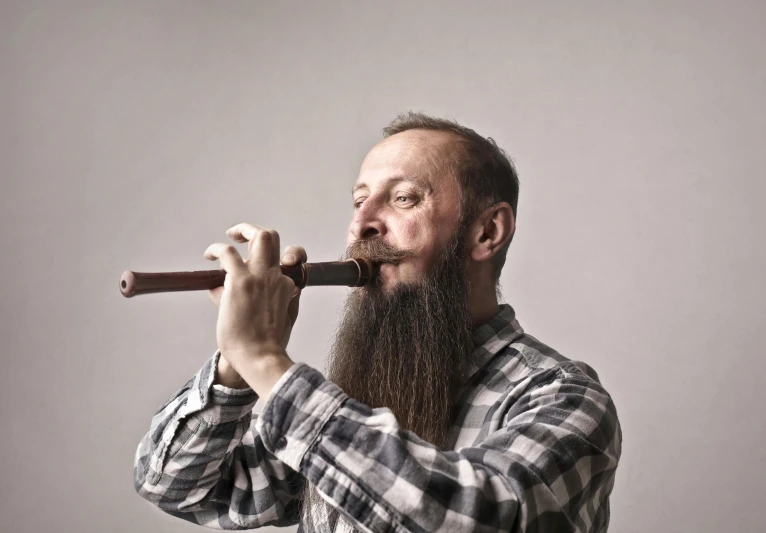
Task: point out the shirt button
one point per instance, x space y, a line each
281 443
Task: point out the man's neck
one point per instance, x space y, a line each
482 310
482 293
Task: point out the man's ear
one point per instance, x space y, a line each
491 230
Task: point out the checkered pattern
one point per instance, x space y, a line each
534 448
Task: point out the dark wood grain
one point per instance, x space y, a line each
351 273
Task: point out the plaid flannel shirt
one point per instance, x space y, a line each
536 446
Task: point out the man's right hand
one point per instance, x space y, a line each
225 373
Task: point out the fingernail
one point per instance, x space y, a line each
289 258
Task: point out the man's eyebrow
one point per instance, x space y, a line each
418 182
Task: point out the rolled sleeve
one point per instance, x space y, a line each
178 419
220 404
201 460
296 411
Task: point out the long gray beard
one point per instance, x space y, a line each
405 351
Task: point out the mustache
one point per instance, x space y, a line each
376 251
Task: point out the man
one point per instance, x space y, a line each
438 413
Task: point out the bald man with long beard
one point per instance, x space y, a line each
438 412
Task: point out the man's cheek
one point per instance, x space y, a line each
414 234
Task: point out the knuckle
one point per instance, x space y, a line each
247 283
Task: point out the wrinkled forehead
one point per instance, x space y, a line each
427 155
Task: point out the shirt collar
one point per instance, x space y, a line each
492 336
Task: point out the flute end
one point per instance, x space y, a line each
128 284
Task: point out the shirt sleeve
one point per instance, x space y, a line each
201 461
550 467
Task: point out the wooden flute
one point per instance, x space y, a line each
349 273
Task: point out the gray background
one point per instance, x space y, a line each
133 134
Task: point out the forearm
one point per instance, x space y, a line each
380 476
201 461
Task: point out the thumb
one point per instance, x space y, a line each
292 309
215 295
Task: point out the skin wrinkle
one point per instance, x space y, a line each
415 180
425 226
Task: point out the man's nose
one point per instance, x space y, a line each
367 222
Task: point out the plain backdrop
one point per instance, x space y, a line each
132 134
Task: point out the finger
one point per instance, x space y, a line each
243 232
293 255
263 244
264 251
230 259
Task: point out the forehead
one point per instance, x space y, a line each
421 155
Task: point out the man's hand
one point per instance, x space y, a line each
257 308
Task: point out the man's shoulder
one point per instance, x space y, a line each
508 361
526 370
527 359
538 356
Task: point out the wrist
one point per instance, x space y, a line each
226 375
262 372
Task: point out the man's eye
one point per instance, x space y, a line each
402 199
358 203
